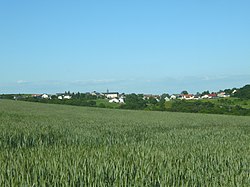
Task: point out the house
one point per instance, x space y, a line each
173 97
147 96
121 100
36 95
205 96
94 93
64 97
188 96
167 99
114 100
45 96
223 95
60 97
234 91
111 95
212 95
176 96
67 97
197 97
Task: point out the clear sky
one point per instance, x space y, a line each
140 46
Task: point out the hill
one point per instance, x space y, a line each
48 145
244 92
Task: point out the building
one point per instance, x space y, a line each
166 99
176 96
223 95
45 96
114 100
67 97
111 95
188 96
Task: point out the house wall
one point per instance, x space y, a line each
111 95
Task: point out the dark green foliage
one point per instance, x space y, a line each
184 92
134 101
243 93
7 96
208 107
206 92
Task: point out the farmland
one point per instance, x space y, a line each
60 145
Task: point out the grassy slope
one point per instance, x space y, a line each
91 146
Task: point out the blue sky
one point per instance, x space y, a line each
128 46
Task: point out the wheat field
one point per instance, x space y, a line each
56 145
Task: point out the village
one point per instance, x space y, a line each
228 101
116 97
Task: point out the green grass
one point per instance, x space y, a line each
106 103
231 101
58 145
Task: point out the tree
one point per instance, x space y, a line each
134 101
244 92
184 92
163 96
152 100
205 92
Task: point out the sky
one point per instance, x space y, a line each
132 46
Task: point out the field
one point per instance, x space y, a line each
57 145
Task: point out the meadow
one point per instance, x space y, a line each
62 145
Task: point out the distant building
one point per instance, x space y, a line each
148 96
223 95
67 97
64 97
234 91
94 93
45 96
205 96
111 95
166 99
114 100
212 96
188 96
121 100
36 95
176 96
197 97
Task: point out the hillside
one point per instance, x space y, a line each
46 144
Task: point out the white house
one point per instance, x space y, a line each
176 96
197 97
45 96
114 100
111 95
167 99
234 91
173 97
223 94
121 100
60 97
205 96
67 97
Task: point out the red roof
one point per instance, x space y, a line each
212 95
188 95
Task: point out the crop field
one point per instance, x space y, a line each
57 145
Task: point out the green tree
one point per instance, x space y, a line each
184 92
